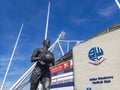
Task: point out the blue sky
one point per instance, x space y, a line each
80 19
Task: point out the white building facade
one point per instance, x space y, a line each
96 62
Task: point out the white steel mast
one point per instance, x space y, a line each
21 83
46 30
118 3
11 57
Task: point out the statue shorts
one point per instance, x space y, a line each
42 76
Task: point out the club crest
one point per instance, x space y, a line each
96 56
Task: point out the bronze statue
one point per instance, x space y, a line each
41 72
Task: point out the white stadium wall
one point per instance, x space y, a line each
97 63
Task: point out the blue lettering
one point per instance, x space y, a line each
89 88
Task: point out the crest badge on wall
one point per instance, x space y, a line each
96 56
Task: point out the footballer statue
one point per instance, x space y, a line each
41 73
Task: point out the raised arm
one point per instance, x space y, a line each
35 56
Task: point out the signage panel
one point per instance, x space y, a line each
60 67
97 63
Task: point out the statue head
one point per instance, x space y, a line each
46 43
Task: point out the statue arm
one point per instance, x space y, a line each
53 63
35 56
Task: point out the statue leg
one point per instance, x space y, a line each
46 83
35 78
33 86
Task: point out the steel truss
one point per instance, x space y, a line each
22 82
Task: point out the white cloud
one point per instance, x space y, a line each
3 64
79 21
16 75
7 85
4 61
107 11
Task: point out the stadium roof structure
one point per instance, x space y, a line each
110 29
